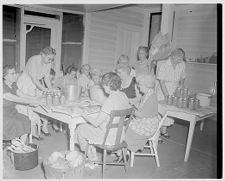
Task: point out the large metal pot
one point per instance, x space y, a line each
71 92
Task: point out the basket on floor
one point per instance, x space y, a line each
69 173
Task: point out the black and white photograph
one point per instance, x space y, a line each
115 90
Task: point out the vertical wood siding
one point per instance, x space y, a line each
200 77
196 29
102 35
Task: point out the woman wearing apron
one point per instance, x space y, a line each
171 75
30 82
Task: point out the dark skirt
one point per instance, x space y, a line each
14 124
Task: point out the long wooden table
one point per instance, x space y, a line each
72 121
192 116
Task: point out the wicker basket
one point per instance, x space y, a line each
70 173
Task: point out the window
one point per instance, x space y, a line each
10 38
72 40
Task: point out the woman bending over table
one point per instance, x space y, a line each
94 130
37 68
145 121
36 78
171 75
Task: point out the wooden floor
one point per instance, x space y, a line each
202 161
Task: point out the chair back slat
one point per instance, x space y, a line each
121 114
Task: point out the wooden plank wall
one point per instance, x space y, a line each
195 29
200 77
103 33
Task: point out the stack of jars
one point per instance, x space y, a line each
182 99
54 98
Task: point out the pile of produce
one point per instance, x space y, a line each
19 147
65 160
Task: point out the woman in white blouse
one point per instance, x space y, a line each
171 75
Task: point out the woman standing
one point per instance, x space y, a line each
37 68
142 66
171 75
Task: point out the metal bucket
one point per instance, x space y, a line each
71 92
26 161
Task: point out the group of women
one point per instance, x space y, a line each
140 86
156 74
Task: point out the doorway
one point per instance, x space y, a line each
155 26
37 33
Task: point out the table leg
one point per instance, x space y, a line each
189 140
72 128
201 125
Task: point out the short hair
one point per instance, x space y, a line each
145 49
86 67
112 80
52 72
123 57
70 69
48 51
123 67
6 69
96 72
179 52
184 57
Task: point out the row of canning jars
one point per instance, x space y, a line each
182 99
54 98
183 102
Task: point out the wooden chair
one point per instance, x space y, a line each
151 145
123 121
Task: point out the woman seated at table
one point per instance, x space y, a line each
145 121
96 91
84 81
171 75
124 59
14 123
94 130
129 84
69 78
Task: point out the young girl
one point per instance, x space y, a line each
84 81
142 65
